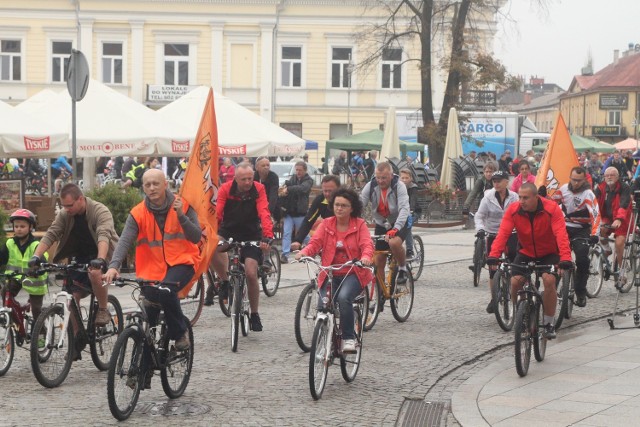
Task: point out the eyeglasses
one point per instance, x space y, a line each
341 205
69 205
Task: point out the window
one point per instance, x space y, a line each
613 117
294 128
391 68
176 64
338 130
291 66
10 60
112 63
340 67
60 61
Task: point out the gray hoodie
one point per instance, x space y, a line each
397 199
490 213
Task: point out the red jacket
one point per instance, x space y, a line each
620 205
357 242
545 234
243 216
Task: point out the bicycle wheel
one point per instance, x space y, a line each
596 277
271 281
628 270
305 317
52 363
417 262
375 293
478 253
539 341
176 372
571 292
105 337
245 312
236 307
125 376
562 290
523 338
193 302
319 359
503 305
350 362
7 340
402 299
223 303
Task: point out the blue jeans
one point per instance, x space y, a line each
290 222
348 292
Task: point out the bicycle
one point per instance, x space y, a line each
599 266
193 302
529 320
213 278
480 255
503 304
566 290
142 349
305 316
385 288
416 263
326 344
270 277
62 345
16 324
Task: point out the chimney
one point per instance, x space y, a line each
527 98
616 55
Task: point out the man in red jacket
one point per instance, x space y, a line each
542 237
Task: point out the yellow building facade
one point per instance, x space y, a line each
287 60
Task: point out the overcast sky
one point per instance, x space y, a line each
556 45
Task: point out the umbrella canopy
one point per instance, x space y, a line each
25 135
582 144
390 141
627 144
452 149
241 132
369 140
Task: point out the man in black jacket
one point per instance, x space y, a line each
265 176
296 193
319 209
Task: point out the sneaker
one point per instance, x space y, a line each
256 324
208 298
223 292
620 283
581 301
284 259
349 346
103 317
402 277
490 309
549 331
183 344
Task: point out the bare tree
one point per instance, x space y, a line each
406 20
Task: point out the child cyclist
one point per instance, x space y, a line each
15 255
412 191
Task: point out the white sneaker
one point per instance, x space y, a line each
349 346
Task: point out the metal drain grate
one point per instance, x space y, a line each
423 413
172 408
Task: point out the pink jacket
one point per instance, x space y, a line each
517 182
357 242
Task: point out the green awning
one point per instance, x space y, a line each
582 144
370 140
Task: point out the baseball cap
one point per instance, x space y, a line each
498 175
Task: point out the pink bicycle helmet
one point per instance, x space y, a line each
25 214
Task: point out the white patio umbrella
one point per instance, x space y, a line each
390 141
452 149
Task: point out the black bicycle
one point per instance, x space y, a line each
142 349
56 324
503 304
480 254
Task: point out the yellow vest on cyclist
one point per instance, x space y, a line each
19 262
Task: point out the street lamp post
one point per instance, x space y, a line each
349 71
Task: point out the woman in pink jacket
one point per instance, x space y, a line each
525 176
343 238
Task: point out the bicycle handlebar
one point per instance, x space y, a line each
73 266
141 283
532 267
334 267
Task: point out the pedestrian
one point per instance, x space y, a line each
295 194
524 176
227 171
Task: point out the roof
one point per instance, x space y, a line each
623 73
550 100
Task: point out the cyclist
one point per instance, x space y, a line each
341 238
489 215
524 176
414 210
482 184
243 214
167 231
582 216
320 208
133 178
390 205
60 169
542 236
15 255
614 200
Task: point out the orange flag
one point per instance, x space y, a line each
200 185
558 159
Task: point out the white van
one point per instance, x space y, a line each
528 140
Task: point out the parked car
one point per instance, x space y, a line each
286 170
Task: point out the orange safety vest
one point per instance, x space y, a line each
156 251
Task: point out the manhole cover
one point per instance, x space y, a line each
422 413
171 408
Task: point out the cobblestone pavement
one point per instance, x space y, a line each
447 337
